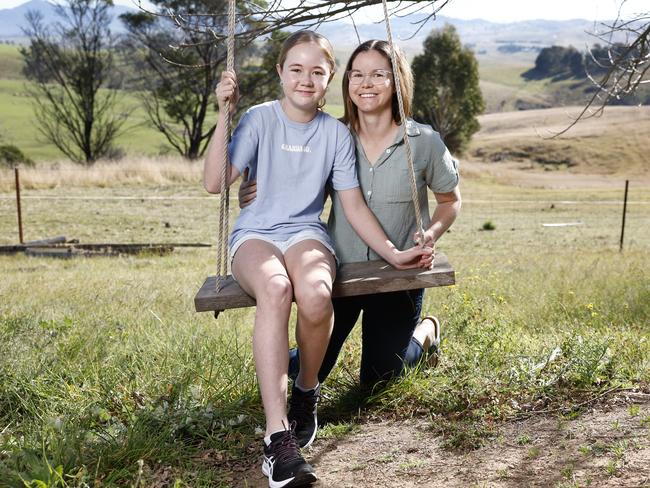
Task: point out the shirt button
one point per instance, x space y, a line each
371 170
387 151
369 192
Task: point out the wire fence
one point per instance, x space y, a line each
170 205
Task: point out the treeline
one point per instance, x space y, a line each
560 62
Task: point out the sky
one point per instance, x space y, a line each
504 10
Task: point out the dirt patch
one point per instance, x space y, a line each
607 446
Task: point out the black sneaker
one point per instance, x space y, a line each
302 411
283 464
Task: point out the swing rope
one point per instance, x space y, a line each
407 143
224 214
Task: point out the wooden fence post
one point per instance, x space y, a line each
20 215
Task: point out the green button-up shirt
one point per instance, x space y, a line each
386 188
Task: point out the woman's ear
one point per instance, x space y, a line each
279 70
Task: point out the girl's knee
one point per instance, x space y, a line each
278 291
315 302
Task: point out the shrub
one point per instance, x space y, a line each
11 156
489 225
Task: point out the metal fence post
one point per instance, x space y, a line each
620 248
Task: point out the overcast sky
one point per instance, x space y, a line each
506 10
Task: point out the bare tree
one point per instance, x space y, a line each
176 70
624 69
72 67
259 18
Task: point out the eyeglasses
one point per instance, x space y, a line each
377 77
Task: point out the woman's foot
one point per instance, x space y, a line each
427 333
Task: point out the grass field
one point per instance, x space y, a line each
108 377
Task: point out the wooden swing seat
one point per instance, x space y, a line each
352 279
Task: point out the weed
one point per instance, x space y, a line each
533 452
523 439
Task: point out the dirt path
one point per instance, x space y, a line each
607 446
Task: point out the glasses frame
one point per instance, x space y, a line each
366 75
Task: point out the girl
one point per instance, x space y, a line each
279 246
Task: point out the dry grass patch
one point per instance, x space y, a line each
134 171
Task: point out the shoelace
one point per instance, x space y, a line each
286 447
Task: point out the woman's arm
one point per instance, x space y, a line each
447 209
227 89
366 225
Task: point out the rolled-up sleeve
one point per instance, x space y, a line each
442 171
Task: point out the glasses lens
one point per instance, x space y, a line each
376 77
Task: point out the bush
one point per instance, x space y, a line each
11 156
489 225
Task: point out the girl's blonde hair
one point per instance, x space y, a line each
305 37
351 113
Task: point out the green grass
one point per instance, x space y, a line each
109 376
18 126
11 62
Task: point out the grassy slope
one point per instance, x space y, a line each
616 143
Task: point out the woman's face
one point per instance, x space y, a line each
371 83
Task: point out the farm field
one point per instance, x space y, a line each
108 377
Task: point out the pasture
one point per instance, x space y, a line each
108 377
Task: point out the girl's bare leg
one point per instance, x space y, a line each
260 270
312 269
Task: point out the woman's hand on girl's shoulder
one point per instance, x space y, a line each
227 89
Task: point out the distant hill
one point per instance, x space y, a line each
486 38
12 20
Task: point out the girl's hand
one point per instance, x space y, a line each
415 257
247 191
227 89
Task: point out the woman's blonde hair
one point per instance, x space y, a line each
351 113
305 37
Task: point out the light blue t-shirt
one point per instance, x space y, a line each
292 163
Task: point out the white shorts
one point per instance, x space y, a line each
284 244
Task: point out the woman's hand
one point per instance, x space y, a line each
247 191
415 257
227 89
428 240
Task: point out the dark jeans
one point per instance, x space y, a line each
387 326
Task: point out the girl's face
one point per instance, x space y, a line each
371 83
304 77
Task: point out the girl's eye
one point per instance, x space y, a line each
319 73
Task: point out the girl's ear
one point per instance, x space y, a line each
279 70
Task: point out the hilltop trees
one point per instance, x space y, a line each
447 93
69 65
